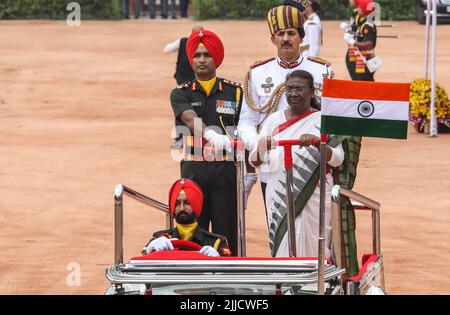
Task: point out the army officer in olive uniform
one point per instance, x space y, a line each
209 107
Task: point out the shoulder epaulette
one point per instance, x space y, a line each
232 83
319 60
184 85
166 233
260 63
225 251
368 24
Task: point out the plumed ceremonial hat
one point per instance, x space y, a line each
366 6
284 17
193 193
211 42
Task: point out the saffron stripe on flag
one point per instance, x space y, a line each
380 128
366 90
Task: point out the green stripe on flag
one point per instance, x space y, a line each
380 128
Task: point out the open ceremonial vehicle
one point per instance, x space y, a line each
185 271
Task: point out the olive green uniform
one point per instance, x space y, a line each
201 237
214 172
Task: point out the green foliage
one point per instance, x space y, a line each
397 9
205 9
233 9
331 9
56 9
335 9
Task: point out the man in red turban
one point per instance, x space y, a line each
210 41
185 204
207 110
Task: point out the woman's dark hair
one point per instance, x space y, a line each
302 74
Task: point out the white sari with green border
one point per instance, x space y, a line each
306 188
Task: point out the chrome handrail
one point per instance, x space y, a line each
374 269
336 192
362 203
121 190
120 275
240 171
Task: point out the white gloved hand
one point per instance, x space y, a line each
209 251
249 181
161 243
345 27
250 142
349 38
249 135
220 142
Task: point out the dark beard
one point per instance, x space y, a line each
183 218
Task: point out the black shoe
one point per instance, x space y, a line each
164 16
174 17
136 17
184 15
152 16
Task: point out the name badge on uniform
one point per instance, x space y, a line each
226 107
196 104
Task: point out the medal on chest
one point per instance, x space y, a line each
268 85
226 107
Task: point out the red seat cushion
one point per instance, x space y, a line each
367 259
191 255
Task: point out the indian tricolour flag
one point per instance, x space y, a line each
368 109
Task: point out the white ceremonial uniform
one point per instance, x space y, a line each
313 36
264 78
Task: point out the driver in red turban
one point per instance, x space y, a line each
185 205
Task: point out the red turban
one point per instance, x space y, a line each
193 192
366 6
212 43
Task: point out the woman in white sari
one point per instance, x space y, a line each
299 121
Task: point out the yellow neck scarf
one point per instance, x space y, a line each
187 230
208 85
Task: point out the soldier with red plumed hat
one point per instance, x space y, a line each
362 40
